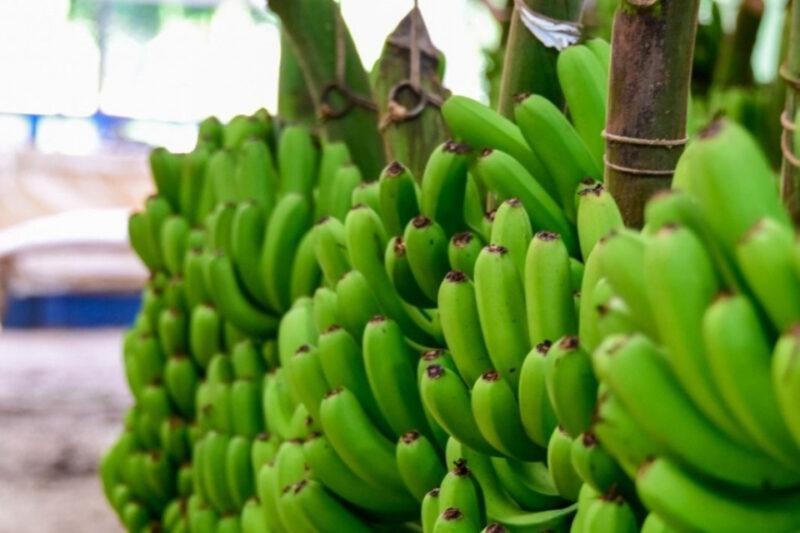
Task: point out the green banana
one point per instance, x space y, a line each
430 510
180 380
326 514
205 333
610 513
357 303
358 442
501 307
571 385
448 400
297 161
306 274
688 503
197 291
584 81
247 415
247 361
165 167
398 267
595 466
172 331
444 185
330 249
512 230
333 156
536 412
346 180
325 309
367 193
240 128
483 127
786 379
559 463
193 183
256 177
247 238
419 464
220 174
458 313
737 346
564 154
496 413
397 193
506 177
278 404
460 490
173 238
286 227
529 484
296 329
426 246
389 364
307 378
252 517
597 215
550 309
463 252
213 471
239 470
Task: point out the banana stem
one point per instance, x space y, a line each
651 66
409 96
294 101
311 25
529 66
790 175
733 67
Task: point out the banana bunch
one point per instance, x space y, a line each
695 340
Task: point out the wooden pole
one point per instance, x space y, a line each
790 70
651 66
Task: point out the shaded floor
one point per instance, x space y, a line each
62 397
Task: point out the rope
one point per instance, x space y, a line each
552 33
351 99
665 143
637 171
789 78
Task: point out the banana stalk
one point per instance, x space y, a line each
651 63
294 102
529 66
311 26
407 91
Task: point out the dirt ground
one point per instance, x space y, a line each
62 397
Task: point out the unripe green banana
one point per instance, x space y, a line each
536 412
247 238
610 513
463 252
512 230
210 131
252 517
358 442
197 292
220 228
213 471
595 466
430 510
419 464
193 184
766 256
306 274
175 293
247 361
165 167
398 267
550 309
296 329
157 212
584 81
333 156
559 462
346 180
460 490
598 215
329 469
327 515
247 415
325 308
501 307
135 516
681 284
140 240
172 331
448 400
483 127
229 524
390 368
444 185
239 470
529 484
173 238
571 385
242 127
562 151
688 503
357 303
264 448
181 379
286 227
268 493
292 513
297 161
171 515
330 249
220 175
786 379
307 378
496 413
506 177
458 312
185 482
367 193
613 315
366 244
737 346
656 402
256 177
232 302
398 194
205 334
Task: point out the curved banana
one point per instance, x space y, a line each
180 380
297 161
444 184
326 514
247 413
256 177
333 156
419 464
330 249
463 252
357 303
306 274
174 238
597 215
571 385
346 180
239 471
247 238
559 463
307 378
536 412
595 466
325 308
398 192
166 169
786 379
398 267
529 484
460 490
512 230
205 333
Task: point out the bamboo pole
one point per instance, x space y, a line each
409 92
529 66
790 174
651 64
318 33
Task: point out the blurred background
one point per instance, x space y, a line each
88 87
